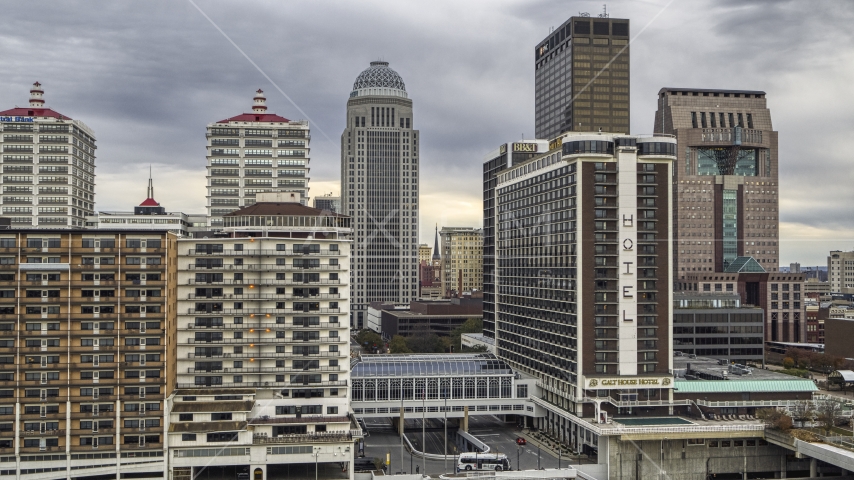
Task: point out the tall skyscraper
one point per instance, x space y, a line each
582 77
582 276
505 156
726 200
48 166
379 189
253 153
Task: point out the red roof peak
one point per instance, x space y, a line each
149 202
37 84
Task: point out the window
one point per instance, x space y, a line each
185 417
332 410
220 416
188 437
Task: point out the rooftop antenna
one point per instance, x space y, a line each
583 14
604 13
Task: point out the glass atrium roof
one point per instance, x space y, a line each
744 265
428 365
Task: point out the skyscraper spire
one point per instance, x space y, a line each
150 192
436 254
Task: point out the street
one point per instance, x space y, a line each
500 437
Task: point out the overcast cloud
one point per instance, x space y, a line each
149 76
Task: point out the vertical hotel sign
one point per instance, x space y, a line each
627 236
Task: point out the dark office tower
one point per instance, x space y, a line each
582 269
379 190
582 77
505 156
725 197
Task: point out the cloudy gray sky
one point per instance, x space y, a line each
149 76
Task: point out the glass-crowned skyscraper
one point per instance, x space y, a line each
379 189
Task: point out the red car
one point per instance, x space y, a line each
521 441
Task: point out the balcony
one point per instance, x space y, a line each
268 267
300 420
309 438
40 433
273 355
259 326
253 311
340 369
265 296
267 282
263 341
337 383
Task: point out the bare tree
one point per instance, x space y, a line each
803 412
827 412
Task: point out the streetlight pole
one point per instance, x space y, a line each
402 425
424 430
445 456
538 456
316 454
559 457
518 453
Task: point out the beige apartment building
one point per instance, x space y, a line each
462 259
86 359
840 271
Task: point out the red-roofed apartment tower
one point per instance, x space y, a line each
253 153
48 161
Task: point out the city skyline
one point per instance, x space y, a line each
139 81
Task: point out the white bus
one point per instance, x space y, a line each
483 461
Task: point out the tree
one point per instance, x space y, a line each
803 412
775 419
826 414
398 345
788 363
472 325
430 343
369 339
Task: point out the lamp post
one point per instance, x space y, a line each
402 427
538 456
559 457
424 430
518 454
445 456
316 454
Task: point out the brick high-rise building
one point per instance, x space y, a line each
582 77
726 194
48 167
87 351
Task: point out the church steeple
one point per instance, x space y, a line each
150 192
436 254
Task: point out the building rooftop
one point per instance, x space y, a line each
704 368
709 90
752 386
428 365
281 208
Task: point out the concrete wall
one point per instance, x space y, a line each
646 459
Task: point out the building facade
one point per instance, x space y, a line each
726 203
379 189
254 153
840 271
462 260
263 344
582 77
328 203
503 157
87 359
583 269
718 327
48 166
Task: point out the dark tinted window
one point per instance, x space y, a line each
600 28
582 27
620 29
